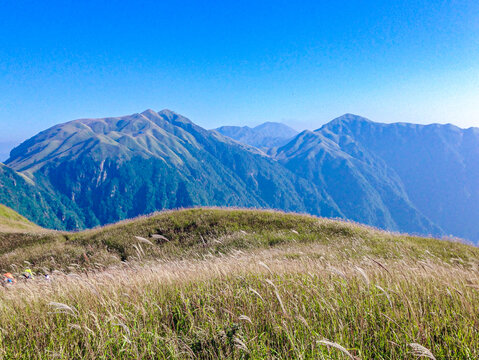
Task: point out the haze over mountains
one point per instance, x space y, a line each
264 136
438 166
5 147
402 177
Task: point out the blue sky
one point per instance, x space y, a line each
238 62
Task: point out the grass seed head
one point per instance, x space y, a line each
421 351
336 346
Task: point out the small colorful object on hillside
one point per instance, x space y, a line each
8 279
28 274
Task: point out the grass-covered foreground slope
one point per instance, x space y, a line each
240 284
11 221
195 233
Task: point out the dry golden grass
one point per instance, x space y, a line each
193 233
210 283
300 301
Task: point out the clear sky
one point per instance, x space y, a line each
238 62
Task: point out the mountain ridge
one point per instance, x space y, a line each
436 163
103 170
360 184
354 118
264 136
115 168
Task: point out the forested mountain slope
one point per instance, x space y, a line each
115 168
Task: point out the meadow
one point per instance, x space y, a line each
239 284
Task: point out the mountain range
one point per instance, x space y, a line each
105 170
403 177
264 136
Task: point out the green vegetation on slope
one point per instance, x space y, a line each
438 166
44 208
240 284
12 221
192 233
357 181
400 177
106 170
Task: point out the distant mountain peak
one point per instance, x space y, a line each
149 112
166 114
344 124
271 124
263 136
348 118
172 116
169 113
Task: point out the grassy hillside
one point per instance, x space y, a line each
195 232
242 284
11 221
